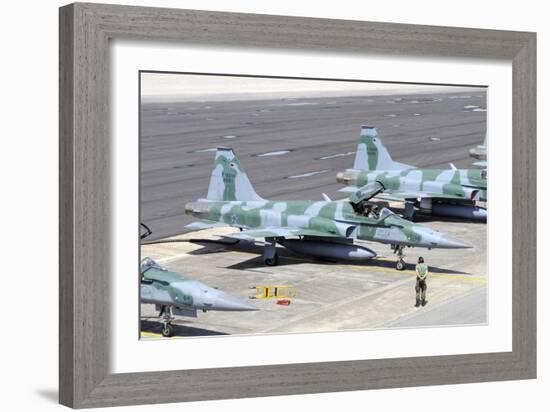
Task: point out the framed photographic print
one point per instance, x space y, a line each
276 204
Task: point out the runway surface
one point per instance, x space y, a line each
293 148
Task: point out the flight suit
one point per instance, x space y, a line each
421 285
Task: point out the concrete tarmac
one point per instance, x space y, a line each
468 309
330 296
292 149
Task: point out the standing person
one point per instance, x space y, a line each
421 285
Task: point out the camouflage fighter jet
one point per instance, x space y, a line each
445 192
323 229
174 294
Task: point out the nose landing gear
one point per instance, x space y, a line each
167 318
398 250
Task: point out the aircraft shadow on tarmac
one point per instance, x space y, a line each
179 330
288 258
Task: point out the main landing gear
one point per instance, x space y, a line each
398 250
167 318
271 258
409 211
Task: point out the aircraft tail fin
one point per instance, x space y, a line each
372 154
229 181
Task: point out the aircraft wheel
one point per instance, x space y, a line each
400 265
272 261
168 331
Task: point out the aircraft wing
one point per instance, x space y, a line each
277 232
251 234
204 224
401 196
368 191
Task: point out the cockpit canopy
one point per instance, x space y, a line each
371 210
148 263
385 213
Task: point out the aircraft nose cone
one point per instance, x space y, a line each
434 239
447 242
231 303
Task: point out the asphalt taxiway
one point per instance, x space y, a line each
293 148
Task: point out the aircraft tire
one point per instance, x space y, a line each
400 265
168 331
272 261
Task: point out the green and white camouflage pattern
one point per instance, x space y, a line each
162 287
232 201
332 219
228 180
372 154
461 184
376 174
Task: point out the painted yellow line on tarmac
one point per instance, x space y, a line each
151 334
435 275
406 272
481 279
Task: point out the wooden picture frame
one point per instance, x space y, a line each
85 31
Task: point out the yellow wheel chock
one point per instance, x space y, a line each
274 292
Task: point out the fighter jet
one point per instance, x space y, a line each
444 192
322 229
174 294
